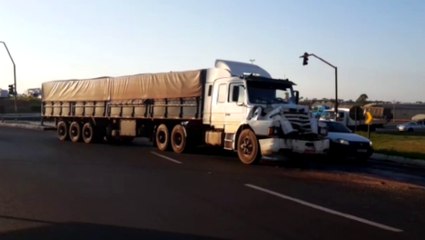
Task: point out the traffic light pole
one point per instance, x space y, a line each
14 75
305 62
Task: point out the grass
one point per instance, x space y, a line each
398 144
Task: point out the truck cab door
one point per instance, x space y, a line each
236 109
229 106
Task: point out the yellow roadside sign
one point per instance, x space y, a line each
369 118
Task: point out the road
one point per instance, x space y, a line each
60 190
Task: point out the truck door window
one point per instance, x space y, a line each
222 93
237 93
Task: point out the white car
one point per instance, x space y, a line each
344 143
413 126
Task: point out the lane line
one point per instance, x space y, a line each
324 209
166 158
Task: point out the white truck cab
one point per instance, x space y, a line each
256 115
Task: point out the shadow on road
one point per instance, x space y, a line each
83 231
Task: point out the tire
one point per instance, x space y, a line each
162 137
88 133
248 148
62 131
75 132
178 139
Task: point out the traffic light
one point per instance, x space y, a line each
305 59
11 89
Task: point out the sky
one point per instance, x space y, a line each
378 46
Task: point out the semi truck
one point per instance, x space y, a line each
233 105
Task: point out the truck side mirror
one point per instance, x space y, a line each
297 96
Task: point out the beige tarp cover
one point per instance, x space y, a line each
139 86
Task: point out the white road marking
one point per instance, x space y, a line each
166 158
324 209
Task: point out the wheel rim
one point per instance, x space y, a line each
62 131
161 137
178 139
74 132
87 133
247 146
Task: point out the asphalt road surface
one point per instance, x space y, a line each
62 190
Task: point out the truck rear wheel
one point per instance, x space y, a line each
88 133
75 132
178 139
162 137
248 148
62 130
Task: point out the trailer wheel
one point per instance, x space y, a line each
88 133
162 137
62 130
178 139
248 148
75 132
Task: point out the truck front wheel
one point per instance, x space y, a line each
162 137
178 139
248 148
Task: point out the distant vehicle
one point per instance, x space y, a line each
344 143
412 126
354 117
4 93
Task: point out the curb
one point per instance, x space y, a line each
27 125
399 160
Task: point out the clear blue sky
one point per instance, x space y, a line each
377 45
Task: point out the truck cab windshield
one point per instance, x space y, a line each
269 92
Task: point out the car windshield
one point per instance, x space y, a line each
337 127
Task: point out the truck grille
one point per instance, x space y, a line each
299 120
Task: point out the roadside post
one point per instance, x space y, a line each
12 87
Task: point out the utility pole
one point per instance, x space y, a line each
14 75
